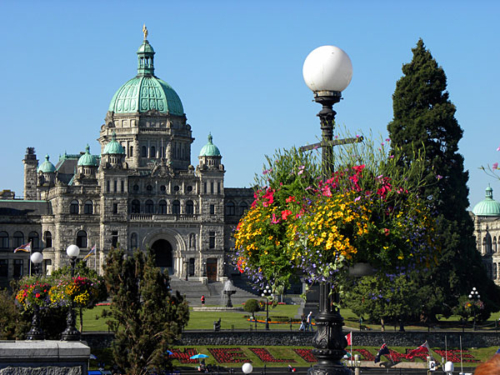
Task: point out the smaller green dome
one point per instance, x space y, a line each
88 160
145 48
114 147
47 166
487 207
210 149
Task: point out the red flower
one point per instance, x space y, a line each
290 199
37 295
285 214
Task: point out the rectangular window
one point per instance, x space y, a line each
212 191
115 186
114 238
211 240
212 209
4 267
115 208
18 268
107 186
123 186
218 188
205 187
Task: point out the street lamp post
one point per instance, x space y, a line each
266 293
473 296
71 333
36 333
327 72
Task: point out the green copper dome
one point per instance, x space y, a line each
88 160
114 147
210 149
146 92
487 207
47 166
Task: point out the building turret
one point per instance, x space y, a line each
30 179
86 168
46 173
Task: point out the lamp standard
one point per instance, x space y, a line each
266 293
71 333
204 269
36 333
473 296
327 72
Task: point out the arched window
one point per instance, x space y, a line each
73 208
133 241
18 239
189 208
162 207
34 239
48 239
176 207
136 188
88 208
152 152
494 249
131 152
230 209
487 244
144 152
243 208
81 239
150 207
4 240
135 207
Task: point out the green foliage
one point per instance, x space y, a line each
12 324
425 117
252 306
147 318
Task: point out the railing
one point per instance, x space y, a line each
163 218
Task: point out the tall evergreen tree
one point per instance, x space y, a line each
147 318
424 117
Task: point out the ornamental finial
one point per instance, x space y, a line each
145 31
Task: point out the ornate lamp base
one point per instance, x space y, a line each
35 333
70 334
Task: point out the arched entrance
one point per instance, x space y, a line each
163 254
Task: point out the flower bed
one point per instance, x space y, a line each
228 355
265 356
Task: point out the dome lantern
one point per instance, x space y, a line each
210 149
88 160
47 166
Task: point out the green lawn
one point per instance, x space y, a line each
236 320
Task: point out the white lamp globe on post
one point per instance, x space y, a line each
36 258
327 72
36 333
71 333
247 368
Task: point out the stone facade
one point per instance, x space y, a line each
141 192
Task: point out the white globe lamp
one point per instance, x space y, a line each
73 251
247 368
36 258
327 69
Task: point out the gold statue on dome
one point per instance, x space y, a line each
145 31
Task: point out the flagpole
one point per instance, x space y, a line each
461 358
29 269
351 347
95 259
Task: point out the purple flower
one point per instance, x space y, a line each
439 177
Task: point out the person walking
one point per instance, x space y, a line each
203 301
309 322
303 321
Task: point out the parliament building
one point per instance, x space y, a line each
138 191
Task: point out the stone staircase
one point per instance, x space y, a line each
193 290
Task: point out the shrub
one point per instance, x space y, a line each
252 306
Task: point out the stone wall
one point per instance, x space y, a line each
295 338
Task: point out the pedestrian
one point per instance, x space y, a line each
303 321
203 301
309 322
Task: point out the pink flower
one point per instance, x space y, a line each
274 220
495 166
285 214
439 177
498 149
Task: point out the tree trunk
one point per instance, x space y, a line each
382 325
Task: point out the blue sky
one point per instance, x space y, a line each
237 67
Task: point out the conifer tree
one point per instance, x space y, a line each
147 318
424 117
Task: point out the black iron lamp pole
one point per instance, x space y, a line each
327 72
36 333
71 333
266 293
474 294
